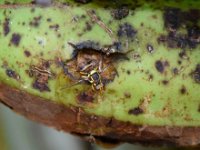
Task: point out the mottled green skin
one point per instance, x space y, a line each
180 109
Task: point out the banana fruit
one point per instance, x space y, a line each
122 70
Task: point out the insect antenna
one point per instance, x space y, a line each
69 86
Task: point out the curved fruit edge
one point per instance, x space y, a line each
75 120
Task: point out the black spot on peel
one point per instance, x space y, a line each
12 74
173 40
159 66
150 77
48 19
127 95
175 71
88 26
120 13
196 74
172 18
85 97
183 54
126 30
55 27
135 111
27 53
6 26
15 39
128 72
192 15
165 82
179 62
199 108
183 41
41 86
36 21
193 35
183 90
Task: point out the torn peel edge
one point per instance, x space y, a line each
75 120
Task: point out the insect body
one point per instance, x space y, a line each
90 66
94 78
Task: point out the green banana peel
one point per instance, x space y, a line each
156 81
15 1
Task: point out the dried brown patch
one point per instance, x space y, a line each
85 97
41 74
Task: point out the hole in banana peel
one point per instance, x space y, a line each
90 67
